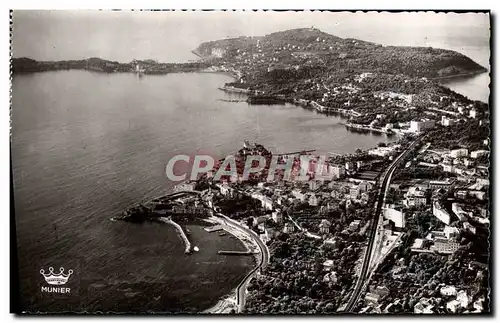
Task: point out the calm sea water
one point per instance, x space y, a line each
85 146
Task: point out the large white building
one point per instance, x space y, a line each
395 216
450 232
457 153
446 121
419 126
479 153
337 171
445 246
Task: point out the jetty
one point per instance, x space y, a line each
232 100
179 230
235 252
368 128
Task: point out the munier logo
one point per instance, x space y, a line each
56 279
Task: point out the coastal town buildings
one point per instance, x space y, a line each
439 212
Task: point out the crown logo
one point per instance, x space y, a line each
56 279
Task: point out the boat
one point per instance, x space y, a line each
196 249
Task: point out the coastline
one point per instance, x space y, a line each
229 302
460 75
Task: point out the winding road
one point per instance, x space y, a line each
384 188
263 261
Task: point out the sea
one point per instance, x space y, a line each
87 145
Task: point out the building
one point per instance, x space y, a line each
396 216
365 186
277 217
445 246
382 291
450 232
446 121
381 151
448 168
225 189
328 265
439 212
440 184
462 195
354 226
330 243
463 298
330 277
298 194
453 306
187 186
313 200
324 226
469 227
473 113
418 245
365 197
415 197
448 291
289 228
480 195
424 306
354 193
459 211
372 298
479 153
270 233
419 126
336 171
457 153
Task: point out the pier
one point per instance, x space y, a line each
181 233
368 128
235 252
235 100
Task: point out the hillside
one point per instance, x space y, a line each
309 46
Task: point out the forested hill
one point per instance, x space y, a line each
313 47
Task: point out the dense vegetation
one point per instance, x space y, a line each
336 53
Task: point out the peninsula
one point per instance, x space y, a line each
307 51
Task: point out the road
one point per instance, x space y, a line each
263 261
384 188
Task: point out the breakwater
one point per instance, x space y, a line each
179 230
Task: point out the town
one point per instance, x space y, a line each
398 228
429 252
